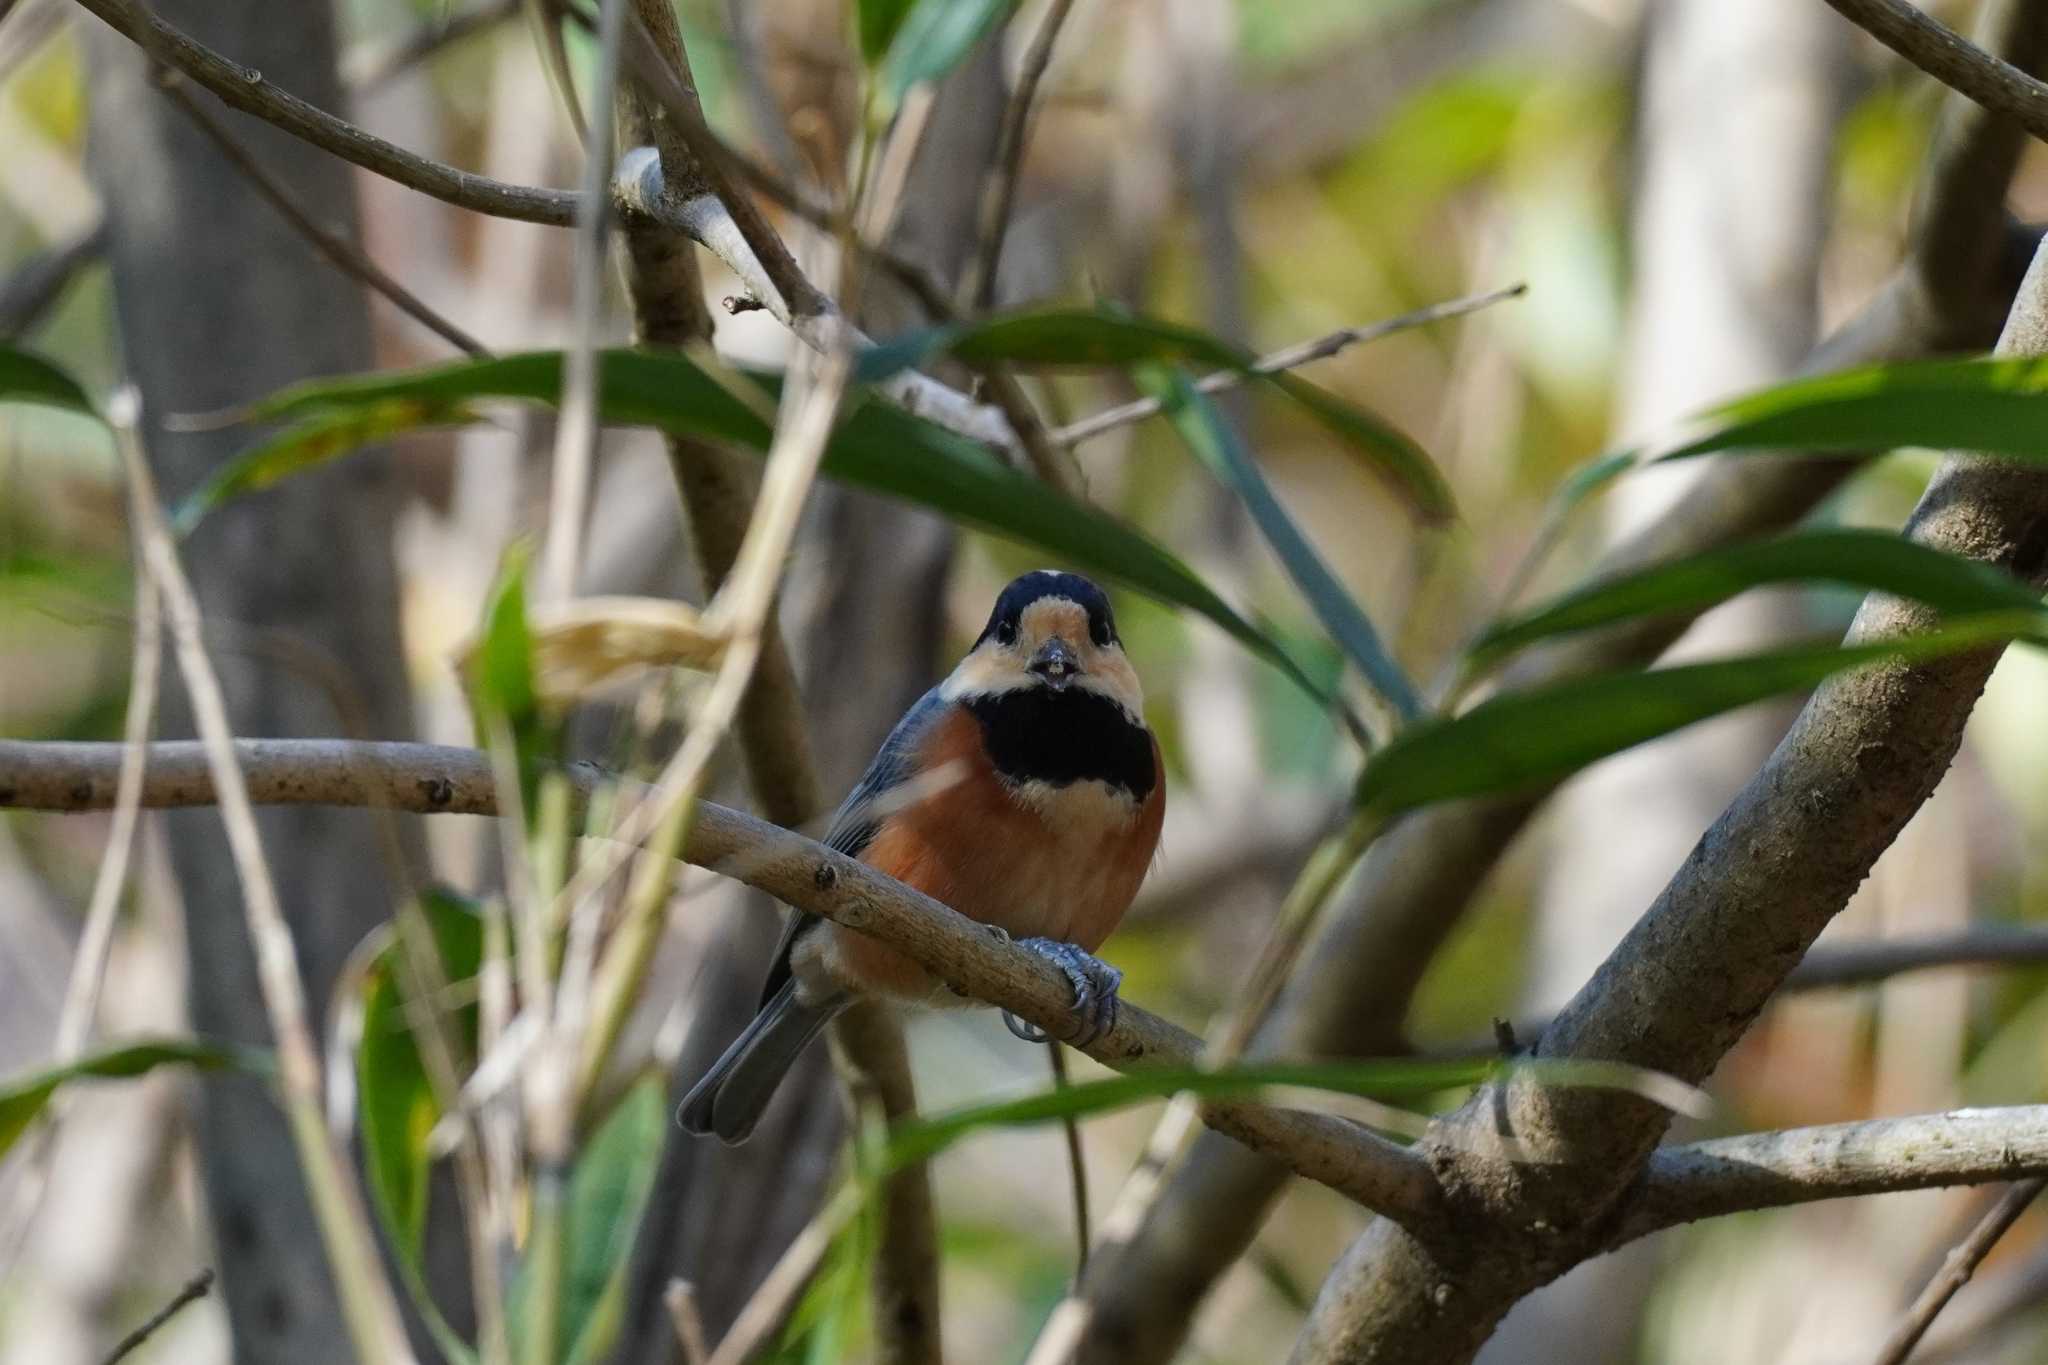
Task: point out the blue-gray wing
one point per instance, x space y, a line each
862 812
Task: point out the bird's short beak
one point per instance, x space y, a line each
1055 662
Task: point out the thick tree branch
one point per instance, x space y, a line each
1949 294
1688 979
1952 59
435 779
1835 1161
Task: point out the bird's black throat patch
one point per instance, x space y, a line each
1036 734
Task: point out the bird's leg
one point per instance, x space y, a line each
1095 985
1019 1028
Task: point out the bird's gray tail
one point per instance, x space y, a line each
730 1098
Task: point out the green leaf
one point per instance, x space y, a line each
314 441
1523 740
1876 561
28 378
1995 406
395 1106
876 447
501 671
607 1194
25 1097
1393 1081
879 21
929 41
1215 443
1105 337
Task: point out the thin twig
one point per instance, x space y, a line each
576 430
245 89
1077 1166
771 1304
89 965
680 1298
1961 1263
369 1306
366 69
434 779
1953 60
343 254
1286 358
195 1288
999 189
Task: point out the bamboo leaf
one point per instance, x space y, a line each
1519 741
23 1098
1104 337
26 377
1992 405
1876 561
1392 1081
929 41
876 447
1216 444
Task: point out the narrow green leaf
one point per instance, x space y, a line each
877 447
1522 740
1392 1081
25 1097
1876 561
929 41
28 378
1105 337
1995 406
1217 446
501 672
878 22
395 1106
314 441
607 1194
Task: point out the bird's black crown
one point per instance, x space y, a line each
1044 583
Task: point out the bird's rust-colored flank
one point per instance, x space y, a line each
1061 863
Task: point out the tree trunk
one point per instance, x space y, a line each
218 303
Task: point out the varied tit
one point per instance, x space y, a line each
1024 791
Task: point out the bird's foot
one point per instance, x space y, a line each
1095 985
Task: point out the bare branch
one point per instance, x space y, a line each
343 254
1950 293
195 1288
433 779
1952 59
1287 358
369 1306
576 430
1730 1175
245 89
366 69
999 192
1961 1263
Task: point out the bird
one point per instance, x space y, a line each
1024 791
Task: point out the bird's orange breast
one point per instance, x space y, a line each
1033 859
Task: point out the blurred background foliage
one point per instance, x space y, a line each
1270 171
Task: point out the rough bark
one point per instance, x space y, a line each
219 302
1950 294
1783 859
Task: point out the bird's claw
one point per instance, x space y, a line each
1095 985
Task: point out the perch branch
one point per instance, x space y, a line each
1722 1176
433 779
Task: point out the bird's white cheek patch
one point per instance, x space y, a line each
1084 808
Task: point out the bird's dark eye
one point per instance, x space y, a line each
1006 632
1099 632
